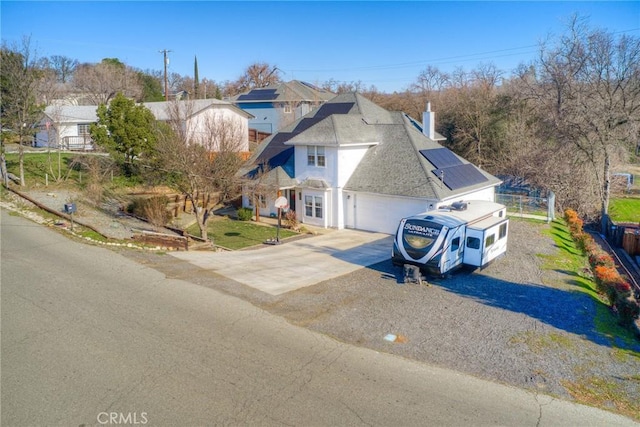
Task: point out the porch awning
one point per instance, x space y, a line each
279 178
319 184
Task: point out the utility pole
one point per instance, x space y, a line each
166 83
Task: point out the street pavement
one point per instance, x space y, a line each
92 338
276 269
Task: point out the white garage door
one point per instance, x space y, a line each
382 214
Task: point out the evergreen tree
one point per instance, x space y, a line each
125 130
196 80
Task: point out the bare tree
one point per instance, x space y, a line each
260 187
199 158
587 88
63 66
431 80
101 82
472 114
21 112
259 74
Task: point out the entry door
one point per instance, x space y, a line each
473 247
455 249
350 211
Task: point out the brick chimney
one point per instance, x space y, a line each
429 122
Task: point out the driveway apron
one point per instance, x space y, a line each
277 269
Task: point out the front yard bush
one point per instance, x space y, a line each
245 214
608 280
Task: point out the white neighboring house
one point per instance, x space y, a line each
201 115
67 126
353 164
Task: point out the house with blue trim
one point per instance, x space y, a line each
279 105
352 164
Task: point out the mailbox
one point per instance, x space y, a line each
70 208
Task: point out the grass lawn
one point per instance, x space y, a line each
42 166
38 165
625 210
234 234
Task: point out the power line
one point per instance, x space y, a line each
447 59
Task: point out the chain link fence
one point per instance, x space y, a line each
524 206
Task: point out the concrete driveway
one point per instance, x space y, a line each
292 265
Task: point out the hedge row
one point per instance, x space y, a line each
609 282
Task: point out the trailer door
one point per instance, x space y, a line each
473 246
452 255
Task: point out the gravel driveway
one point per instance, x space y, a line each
513 322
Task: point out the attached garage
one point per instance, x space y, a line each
379 213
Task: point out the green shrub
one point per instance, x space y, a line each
245 214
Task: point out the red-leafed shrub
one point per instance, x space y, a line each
608 280
600 258
605 275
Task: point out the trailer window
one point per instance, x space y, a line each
473 243
489 240
503 231
455 244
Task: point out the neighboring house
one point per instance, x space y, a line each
353 164
202 116
67 126
279 105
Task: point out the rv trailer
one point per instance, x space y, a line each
470 233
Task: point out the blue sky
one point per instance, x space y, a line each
385 44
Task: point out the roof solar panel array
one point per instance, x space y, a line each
441 157
334 108
460 176
259 95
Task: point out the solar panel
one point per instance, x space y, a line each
441 157
259 95
334 108
460 176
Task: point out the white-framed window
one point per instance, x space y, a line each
287 109
313 206
316 156
83 130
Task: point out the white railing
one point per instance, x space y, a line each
77 143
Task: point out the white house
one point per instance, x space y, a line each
353 164
67 126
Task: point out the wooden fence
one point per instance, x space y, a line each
631 241
179 203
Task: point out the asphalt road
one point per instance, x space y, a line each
92 338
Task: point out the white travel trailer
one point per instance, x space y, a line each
472 233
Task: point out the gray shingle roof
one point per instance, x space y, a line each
190 107
393 165
293 91
87 113
72 113
396 167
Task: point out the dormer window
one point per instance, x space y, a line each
315 156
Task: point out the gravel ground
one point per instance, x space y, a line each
513 322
